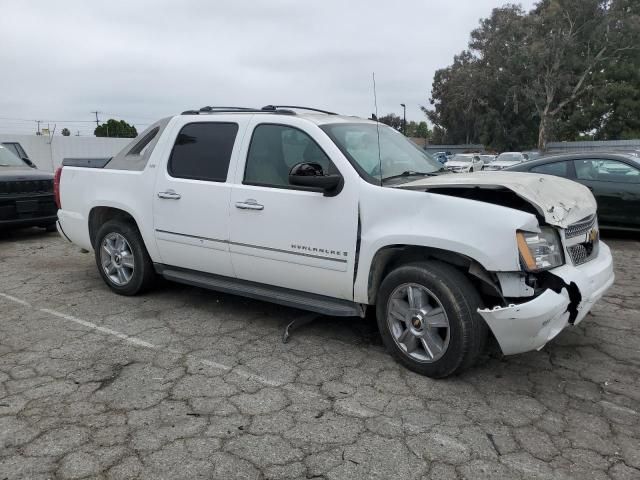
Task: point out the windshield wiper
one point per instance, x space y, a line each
409 173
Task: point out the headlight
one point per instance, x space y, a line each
540 251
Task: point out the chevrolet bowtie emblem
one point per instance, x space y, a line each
593 235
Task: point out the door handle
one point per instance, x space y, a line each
250 204
169 195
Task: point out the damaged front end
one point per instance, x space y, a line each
558 298
565 268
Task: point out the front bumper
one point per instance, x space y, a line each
27 210
530 325
28 222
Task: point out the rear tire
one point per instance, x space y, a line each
122 258
428 319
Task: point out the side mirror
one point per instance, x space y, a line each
29 162
311 175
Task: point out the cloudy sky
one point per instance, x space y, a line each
141 60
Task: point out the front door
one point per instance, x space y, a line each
282 235
616 187
191 204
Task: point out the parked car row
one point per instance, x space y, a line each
474 162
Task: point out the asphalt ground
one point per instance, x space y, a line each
188 383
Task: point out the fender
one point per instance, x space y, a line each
480 231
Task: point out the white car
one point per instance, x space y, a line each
465 163
487 159
506 160
341 215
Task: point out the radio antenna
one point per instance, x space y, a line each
375 103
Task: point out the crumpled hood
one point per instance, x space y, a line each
560 201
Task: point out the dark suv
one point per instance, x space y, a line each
26 195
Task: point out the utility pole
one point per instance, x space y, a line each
97 121
38 122
404 123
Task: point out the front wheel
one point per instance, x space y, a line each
428 319
122 258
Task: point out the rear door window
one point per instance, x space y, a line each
202 151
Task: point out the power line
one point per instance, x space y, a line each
46 120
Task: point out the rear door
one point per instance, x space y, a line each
281 234
191 204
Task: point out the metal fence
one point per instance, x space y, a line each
47 152
596 145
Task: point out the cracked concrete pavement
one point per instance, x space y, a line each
188 383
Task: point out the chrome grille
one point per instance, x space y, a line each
582 239
580 253
580 228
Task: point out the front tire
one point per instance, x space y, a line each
428 320
122 258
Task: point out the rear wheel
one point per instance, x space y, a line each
428 319
122 259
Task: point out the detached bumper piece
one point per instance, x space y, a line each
528 326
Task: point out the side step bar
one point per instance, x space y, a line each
291 298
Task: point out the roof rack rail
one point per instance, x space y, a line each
275 107
221 110
240 109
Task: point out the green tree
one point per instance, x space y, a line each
566 68
116 128
65 132
422 131
393 120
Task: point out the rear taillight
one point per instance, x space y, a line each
56 186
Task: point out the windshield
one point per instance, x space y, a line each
398 156
8 159
510 157
461 158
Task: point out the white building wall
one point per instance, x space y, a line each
47 152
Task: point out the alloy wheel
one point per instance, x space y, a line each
117 259
418 323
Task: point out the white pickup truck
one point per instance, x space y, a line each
337 215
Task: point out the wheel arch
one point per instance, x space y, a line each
102 214
390 257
